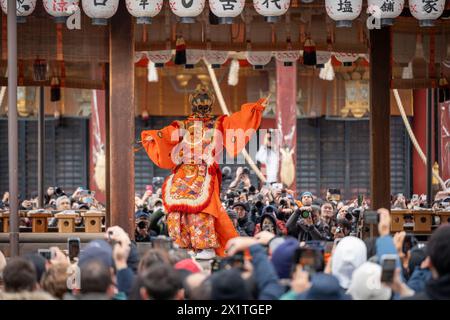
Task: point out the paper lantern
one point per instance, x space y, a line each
258 59
271 10
426 11
343 11
387 10
187 10
346 59
322 57
193 56
216 58
226 10
144 10
287 57
100 10
24 9
160 57
61 9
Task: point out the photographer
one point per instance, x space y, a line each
267 156
400 202
142 232
303 224
285 207
246 226
242 179
158 223
326 221
270 223
4 203
257 206
343 229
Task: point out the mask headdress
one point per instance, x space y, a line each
202 101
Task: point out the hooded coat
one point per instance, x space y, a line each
350 253
280 226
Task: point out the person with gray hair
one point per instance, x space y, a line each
63 203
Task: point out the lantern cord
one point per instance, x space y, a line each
224 108
413 138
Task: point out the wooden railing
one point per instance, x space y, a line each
66 222
422 221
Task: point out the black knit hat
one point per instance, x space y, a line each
229 285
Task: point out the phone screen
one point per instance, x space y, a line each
46 253
387 274
74 248
310 259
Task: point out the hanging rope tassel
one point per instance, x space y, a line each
233 76
152 72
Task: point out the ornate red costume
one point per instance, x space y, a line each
190 148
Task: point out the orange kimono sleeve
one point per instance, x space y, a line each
240 126
159 144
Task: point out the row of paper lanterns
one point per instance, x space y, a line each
342 11
258 59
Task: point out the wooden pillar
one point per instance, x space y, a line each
121 120
380 78
13 131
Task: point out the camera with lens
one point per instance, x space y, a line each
142 225
59 192
339 230
356 212
305 214
246 171
235 261
231 195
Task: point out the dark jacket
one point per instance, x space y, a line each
435 289
296 228
324 287
157 223
246 227
265 275
280 227
419 279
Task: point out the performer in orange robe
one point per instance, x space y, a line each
190 148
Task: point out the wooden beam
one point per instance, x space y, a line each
121 124
242 46
380 76
413 83
69 83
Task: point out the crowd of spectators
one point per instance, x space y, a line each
289 247
264 266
